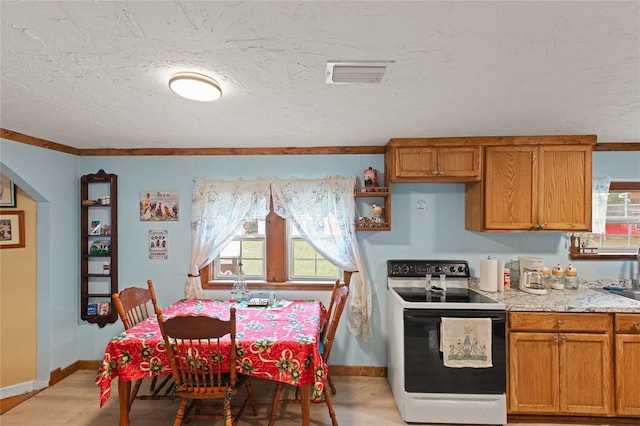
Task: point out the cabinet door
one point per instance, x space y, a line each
565 188
459 162
627 376
533 373
415 162
586 373
511 190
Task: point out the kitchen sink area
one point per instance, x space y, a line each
628 293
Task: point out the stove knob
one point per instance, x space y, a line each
405 269
452 269
460 268
438 269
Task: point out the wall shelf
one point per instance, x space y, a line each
98 233
365 198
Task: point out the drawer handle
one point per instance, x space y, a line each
635 325
560 322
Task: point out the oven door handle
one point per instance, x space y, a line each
430 318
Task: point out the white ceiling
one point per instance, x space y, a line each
93 74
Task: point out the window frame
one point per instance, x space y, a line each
276 269
574 248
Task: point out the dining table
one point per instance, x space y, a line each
279 342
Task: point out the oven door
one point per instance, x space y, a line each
425 371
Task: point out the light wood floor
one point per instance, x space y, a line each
74 402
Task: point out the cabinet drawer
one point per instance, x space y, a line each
627 323
559 322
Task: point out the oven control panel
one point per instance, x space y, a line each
419 268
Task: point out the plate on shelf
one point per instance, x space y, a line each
100 247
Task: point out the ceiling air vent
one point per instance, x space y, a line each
356 72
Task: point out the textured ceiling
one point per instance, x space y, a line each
93 74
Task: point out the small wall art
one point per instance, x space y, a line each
159 205
94 228
158 244
12 229
7 192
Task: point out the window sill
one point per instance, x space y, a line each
601 256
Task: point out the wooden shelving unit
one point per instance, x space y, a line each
98 247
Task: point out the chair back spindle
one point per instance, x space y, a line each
135 304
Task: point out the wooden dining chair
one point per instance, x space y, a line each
325 327
134 305
337 304
201 372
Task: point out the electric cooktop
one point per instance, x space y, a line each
456 295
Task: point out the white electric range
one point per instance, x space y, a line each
419 294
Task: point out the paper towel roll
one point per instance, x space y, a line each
489 275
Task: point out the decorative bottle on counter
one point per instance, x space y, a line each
507 278
571 278
240 290
514 275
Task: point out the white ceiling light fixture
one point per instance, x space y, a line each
357 72
194 86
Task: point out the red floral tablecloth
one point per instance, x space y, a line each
273 343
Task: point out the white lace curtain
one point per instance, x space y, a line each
322 210
218 211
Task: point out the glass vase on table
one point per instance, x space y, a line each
240 290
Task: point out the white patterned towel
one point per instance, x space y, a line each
466 342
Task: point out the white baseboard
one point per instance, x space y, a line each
22 388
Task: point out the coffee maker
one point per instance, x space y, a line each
531 278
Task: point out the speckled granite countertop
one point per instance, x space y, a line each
585 299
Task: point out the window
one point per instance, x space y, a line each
249 247
621 238
305 263
261 246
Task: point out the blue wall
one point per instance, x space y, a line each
52 179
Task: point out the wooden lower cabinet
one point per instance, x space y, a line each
560 364
627 366
534 382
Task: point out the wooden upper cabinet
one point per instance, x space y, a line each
565 188
532 187
510 195
419 162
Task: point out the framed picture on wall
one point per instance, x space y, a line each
159 205
7 192
12 229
